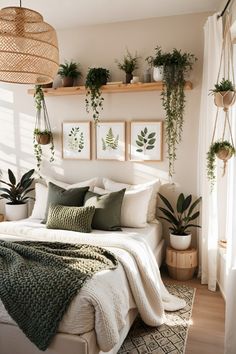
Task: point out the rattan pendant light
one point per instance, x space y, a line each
28 47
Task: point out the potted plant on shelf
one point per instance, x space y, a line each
42 133
224 93
17 195
176 65
69 71
128 65
157 62
96 78
181 219
223 150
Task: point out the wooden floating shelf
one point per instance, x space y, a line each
110 88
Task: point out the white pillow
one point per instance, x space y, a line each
134 206
155 185
41 197
91 183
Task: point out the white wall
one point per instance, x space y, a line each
100 46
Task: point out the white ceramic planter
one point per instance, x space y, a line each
180 242
16 212
158 73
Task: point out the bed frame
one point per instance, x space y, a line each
13 340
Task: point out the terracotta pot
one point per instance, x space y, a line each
224 154
67 81
43 139
128 78
224 98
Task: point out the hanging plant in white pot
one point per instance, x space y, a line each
181 220
17 195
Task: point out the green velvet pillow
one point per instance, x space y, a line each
70 218
108 209
67 197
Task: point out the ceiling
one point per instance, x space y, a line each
73 13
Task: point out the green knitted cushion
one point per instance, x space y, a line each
68 197
108 209
70 218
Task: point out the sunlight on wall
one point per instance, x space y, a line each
6 95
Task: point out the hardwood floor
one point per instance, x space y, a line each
206 334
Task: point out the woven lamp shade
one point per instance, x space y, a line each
28 47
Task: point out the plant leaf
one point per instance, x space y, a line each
151 141
180 203
145 130
140 137
194 216
139 143
170 216
194 205
151 135
166 202
150 147
11 176
139 150
186 203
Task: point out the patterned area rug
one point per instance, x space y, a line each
171 337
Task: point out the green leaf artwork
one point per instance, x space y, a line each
110 142
76 140
145 140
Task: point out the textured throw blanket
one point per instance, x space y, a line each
39 279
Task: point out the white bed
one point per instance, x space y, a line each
85 328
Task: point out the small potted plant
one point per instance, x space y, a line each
224 94
69 71
96 78
42 133
223 150
157 62
128 65
17 195
181 219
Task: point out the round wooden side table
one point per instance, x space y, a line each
181 264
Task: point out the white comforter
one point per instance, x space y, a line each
105 300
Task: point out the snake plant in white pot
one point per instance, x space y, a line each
181 220
16 194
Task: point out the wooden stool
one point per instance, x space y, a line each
2 217
181 264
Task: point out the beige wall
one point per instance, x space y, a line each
99 46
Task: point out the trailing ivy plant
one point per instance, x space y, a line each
96 77
216 148
42 128
145 140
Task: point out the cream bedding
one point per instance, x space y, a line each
105 300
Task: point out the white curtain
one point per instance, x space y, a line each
230 334
209 233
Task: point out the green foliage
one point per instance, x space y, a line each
110 142
42 132
129 63
175 68
17 193
38 97
76 140
96 77
181 217
214 149
224 85
69 69
145 140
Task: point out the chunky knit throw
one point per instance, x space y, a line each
39 279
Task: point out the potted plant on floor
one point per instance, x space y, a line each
128 65
96 78
42 133
224 94
69 71
17 195
176 65
181 219
222 150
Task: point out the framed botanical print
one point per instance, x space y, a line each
110 141
76 140
146 141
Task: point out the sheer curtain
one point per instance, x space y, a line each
209 233
230 337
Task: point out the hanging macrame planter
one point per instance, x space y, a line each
42 132
224 97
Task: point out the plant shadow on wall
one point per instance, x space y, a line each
42 132
175 66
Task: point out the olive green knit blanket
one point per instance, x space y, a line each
39 279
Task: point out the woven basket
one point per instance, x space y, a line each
29 49
225 98
43 139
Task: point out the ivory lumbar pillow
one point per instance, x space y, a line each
134 206
41 195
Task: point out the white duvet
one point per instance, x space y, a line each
104 301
